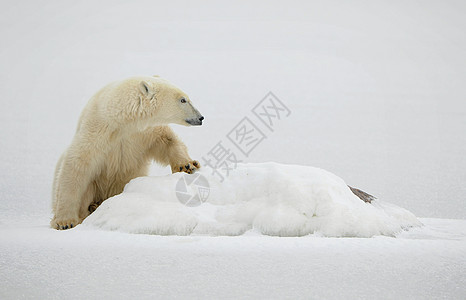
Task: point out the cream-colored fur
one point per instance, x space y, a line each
121 130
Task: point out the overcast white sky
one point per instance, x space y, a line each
375 88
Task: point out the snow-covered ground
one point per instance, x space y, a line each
376 95
39 263
268 198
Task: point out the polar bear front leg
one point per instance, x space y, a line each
170 150
72 189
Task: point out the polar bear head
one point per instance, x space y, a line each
165 103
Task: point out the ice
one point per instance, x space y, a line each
270 198
424 262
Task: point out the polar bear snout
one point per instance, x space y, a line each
194 117
195 122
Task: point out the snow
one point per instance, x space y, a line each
269 198
376 93
422 263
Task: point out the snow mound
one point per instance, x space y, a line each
269 198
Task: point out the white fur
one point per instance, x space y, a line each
120 131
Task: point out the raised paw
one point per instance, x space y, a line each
188 167
64 224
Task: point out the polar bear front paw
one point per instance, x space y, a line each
188 167
93 206
62 224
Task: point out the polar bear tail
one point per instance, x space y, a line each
362 195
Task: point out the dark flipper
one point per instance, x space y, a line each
362 195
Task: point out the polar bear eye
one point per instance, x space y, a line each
183 100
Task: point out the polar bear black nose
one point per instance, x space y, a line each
201 118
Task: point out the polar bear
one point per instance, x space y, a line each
120 131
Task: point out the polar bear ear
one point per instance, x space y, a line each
146 89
